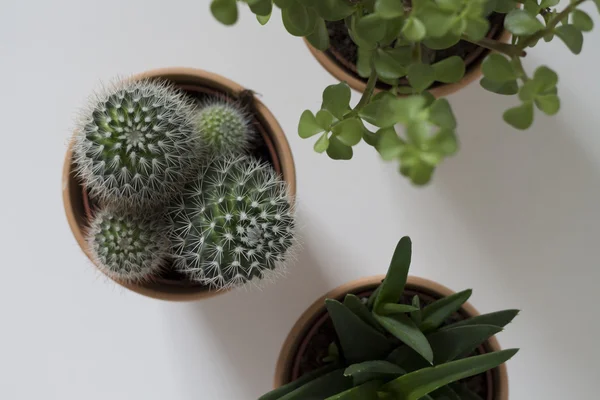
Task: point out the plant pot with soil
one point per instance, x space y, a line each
404 54
395 337
179 184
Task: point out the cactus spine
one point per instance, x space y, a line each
233 224
135 144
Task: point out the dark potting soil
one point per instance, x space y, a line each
343 45
318 345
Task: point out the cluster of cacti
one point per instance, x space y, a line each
145 147
389 346
232 224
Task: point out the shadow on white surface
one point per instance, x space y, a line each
246 329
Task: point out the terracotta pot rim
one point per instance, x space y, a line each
341 73
313 313
279 150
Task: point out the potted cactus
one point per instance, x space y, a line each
403 54
398 337
178 183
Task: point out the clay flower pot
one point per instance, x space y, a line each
345 70
315 318
274 148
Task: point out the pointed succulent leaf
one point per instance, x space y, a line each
458 342
380 370
436 313
415 385
404 329
395 279
362 311
281 391
322 387
365 391
359 341
499 318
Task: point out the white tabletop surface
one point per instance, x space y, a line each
514 215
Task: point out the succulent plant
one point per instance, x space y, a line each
135 143
233 224
128 247
389 349
392 39
224 127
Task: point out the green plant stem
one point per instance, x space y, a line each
551 25
368 93
494 45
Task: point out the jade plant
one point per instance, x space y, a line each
224 127
394 40
128 247
135 143
388 349
233 224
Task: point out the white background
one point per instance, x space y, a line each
514 215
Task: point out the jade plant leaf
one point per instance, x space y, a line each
304 379
298 19
389 8
336 99
417 384
449 70
520 117
260 7
392 286
308 125
349 131
505 88
436 313
499 318
520 22
225 11
333 10
336 150
319 37
572 37
373 370
359 341
498 68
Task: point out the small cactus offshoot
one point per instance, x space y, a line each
233 224
224 127
135 144
128 248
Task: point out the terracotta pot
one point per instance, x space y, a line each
79 208
295 344
346 72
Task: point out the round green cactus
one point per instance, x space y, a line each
224 127
135 144
127 247
233 224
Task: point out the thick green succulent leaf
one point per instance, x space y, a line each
319 37
389 144
389 9
520 117
520 22
445 393
450 344
338 150
304 379
505 88
416 316
395 279
545 78
362 311
417 384
572 37
582 21
263 19
320 388
298 19
436 313
464 392
370 28
322 143
349 131
334 10
366 391
414 29
548 104
421 76
440 114
442 42
359 341
498 68
504 6
390 309
499 318
379 370
260 7
225 11
449 70
388 65
404 329
388 111
373 297
336 99
308 125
